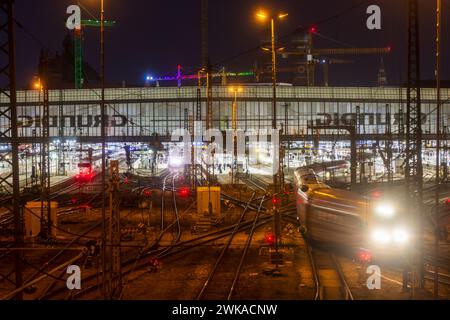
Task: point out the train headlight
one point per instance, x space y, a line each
381 236
400 236
385 210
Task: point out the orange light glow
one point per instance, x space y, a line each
261 15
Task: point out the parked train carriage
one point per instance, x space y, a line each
85 172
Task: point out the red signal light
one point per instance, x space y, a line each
275 200
269 238
364 256
313 29
184 192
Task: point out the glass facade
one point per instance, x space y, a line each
143 112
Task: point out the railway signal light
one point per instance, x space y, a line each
364 256
184 192
447 202
269 238
275 200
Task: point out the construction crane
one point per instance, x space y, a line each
78 48
325 63
307 57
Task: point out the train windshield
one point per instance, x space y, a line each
310 178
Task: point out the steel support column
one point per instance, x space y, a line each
10 182
413 164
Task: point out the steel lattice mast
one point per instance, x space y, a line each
413 163
10 181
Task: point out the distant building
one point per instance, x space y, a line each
60 68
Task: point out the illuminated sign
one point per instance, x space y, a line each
80 121
371 119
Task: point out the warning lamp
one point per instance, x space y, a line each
275 200
364 256
269 238
184 192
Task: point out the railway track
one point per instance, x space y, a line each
55 288
253 182
328 275
91 283
222 279
56 277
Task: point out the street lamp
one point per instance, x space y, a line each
264 16
37 83
235 91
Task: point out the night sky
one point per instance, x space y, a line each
153 37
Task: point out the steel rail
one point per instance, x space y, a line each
245 251
222 253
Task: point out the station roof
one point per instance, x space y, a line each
253 92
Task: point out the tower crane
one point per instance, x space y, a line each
78 48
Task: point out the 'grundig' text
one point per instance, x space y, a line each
80 121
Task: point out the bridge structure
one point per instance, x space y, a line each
145 114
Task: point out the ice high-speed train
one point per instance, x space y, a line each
346 219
